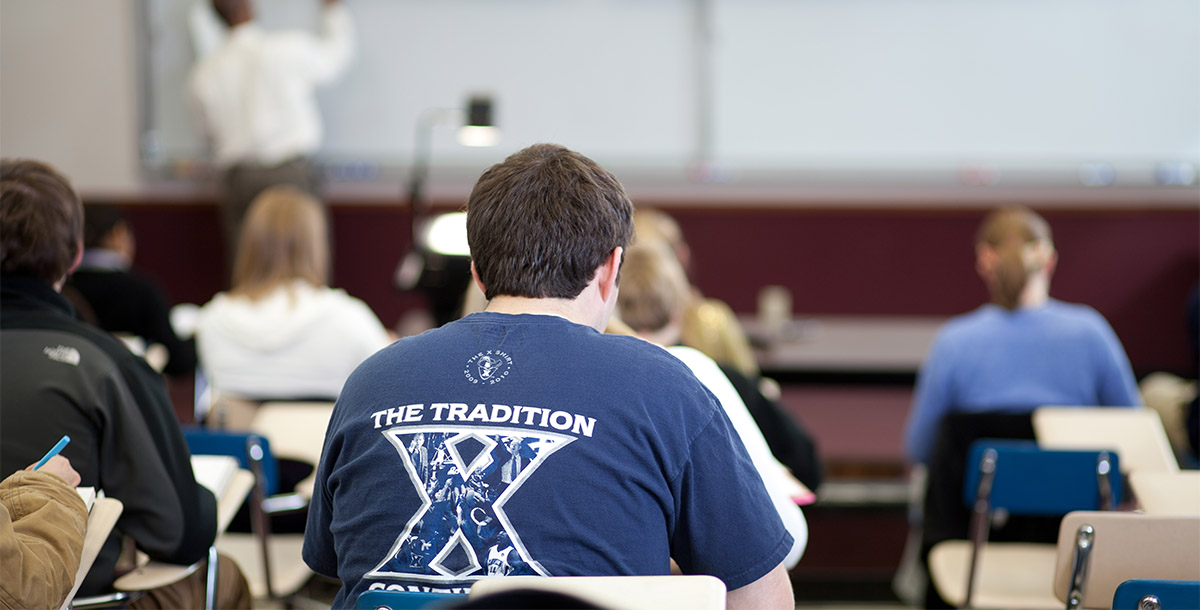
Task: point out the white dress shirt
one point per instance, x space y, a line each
257 91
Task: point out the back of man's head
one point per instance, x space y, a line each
99 220
233 12
41 221
654 288
540 223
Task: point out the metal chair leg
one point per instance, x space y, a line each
1084 539
981 519
210 585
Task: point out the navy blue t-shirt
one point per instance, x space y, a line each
530 445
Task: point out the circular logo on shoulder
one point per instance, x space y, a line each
488 367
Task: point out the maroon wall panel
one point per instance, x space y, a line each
856 262
1135 266
181 246
369 243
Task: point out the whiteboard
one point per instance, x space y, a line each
611 77
933 82
779 87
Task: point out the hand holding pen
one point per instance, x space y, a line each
56 464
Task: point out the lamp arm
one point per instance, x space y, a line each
422 149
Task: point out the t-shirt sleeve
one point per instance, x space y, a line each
318 551
727 526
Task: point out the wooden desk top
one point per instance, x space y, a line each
851 344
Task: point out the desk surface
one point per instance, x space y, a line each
851 344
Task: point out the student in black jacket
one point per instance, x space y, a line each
122 300
62 376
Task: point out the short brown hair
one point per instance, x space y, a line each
99 220
654 288
41 220
540 223
284 238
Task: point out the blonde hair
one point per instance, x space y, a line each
283 239
653 225
654 289
1023 245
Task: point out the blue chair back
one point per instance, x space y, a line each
238 445
1033 481
1149 594
405 600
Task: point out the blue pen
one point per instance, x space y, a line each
53 451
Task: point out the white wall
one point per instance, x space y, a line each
68 89
1009 82
798 92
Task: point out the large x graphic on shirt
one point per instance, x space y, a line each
463 477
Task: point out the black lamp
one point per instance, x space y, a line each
478 128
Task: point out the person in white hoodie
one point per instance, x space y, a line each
653 297
281 332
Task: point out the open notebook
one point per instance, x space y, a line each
214 471
88 494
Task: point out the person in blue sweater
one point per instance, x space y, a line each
1024 349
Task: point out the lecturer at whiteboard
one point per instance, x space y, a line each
256 93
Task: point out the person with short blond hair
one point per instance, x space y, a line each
281 332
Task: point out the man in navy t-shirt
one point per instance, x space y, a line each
521 440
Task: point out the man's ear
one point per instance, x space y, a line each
78 257
1052 263
986 258
475 276
58 286
608 272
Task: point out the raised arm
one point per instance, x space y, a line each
335 43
